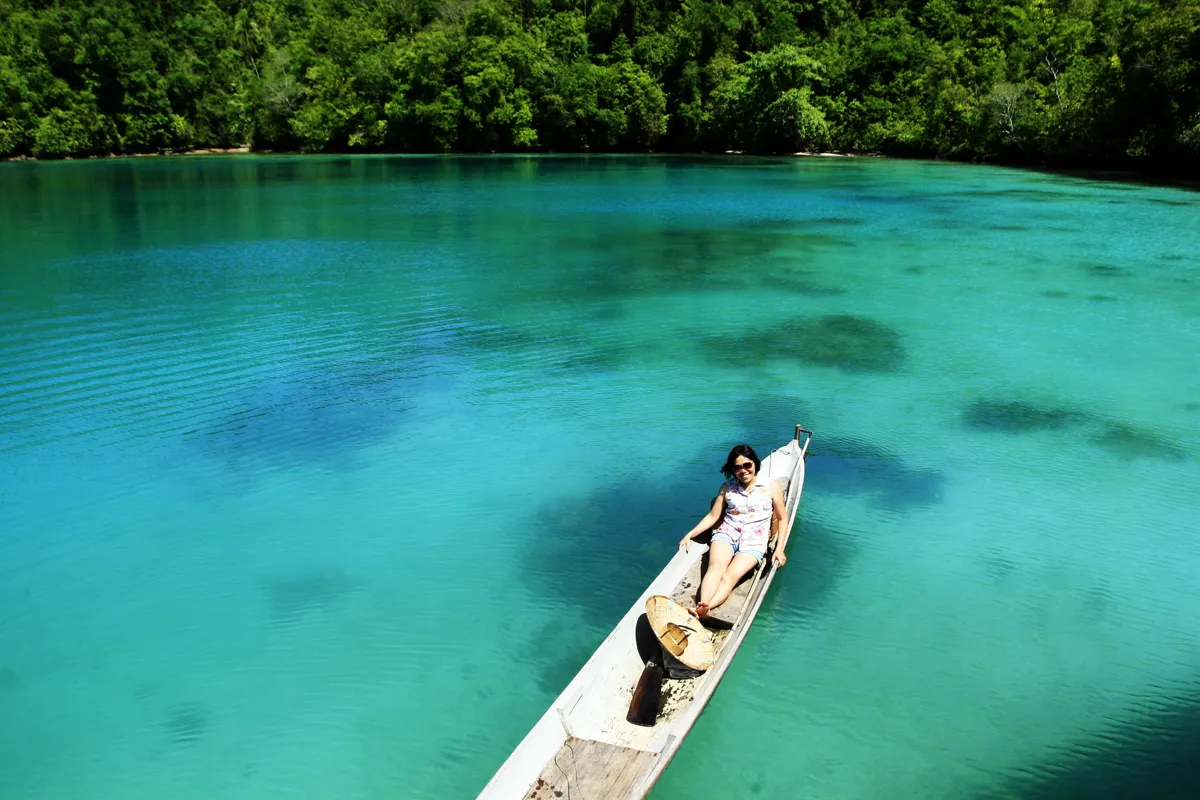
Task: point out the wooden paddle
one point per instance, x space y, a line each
647 696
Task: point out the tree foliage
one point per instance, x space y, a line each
1072 82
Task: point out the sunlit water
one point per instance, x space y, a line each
321 477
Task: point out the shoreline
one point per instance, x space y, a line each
200 151
246 149
1095 173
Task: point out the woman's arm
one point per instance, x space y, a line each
780 524
710 519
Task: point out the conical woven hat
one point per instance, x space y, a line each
671 622
674 639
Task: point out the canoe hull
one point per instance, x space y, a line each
583 742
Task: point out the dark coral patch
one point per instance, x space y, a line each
1103 298
556 668
1055 294
840 220
572 565
775 414
851 343
658 261
291 597
855 344
844 466
1125 441
567 348
1044 195
798 285
312 416
1129 443
462 749
998 567
819 558
558 650
185 724
1097 600
1018 416
491 337
1105 270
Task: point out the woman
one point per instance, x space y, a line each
750 512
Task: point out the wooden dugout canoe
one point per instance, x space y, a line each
583 746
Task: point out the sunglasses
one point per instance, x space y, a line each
748 466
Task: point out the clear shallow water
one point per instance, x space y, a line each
321 477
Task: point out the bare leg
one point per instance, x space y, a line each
719 556
741 564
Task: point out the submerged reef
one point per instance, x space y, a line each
848 342
1128 442
792 281
823 556
185 723
661 261
310 416
559 649
290 597
777 255
1020 416
1015 416
845 466
1105 270
566 347
853 343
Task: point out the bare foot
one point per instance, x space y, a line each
702 610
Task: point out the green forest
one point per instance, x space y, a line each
1090 83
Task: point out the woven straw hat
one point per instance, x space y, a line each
681 634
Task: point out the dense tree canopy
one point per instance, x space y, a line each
1085 82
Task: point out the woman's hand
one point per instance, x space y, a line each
779 559
683 543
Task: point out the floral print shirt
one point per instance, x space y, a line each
747 513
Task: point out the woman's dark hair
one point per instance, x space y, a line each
743 450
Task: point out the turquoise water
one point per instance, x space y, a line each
321 477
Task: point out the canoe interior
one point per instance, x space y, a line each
587 768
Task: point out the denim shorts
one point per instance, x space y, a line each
738 548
